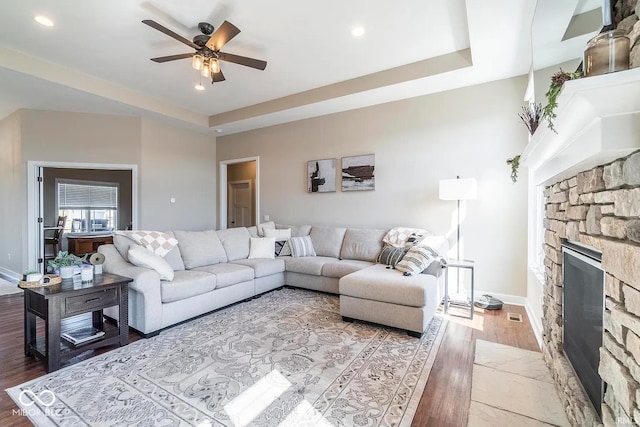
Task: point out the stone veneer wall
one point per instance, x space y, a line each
599 208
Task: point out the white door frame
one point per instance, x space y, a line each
222 201
32 194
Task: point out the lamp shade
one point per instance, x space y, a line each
458 189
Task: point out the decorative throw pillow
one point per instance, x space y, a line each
402 236
262 247
390 255
282 240
417 259
265 226
142 257
157 242
301 246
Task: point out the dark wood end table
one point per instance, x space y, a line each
70 298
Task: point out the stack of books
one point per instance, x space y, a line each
82 335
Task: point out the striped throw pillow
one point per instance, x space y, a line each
391 255
301 246
417 259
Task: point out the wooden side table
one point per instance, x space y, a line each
459 263
71 298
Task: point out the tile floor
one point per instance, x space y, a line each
512 386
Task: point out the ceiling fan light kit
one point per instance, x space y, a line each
207 49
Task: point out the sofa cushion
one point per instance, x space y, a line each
362 244
296 230
343 267
307 265
174 257
265 226
380 283
200 248
327 241
142 257
186 284
235 242
301 247
263 267
122 244
228 274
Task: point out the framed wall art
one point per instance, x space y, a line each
321 176
358 173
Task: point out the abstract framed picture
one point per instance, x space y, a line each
321 176
358 173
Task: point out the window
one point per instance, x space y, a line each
90 207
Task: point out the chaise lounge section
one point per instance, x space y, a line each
213 269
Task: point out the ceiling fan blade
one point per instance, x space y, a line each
243 60
172 57
170 33
217 77
222 35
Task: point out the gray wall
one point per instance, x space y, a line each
169 161
417 142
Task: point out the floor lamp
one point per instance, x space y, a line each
458 189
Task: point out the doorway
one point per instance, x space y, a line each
40 205
239 192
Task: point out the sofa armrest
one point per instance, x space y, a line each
145 297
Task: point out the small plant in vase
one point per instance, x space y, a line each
531 116
66 263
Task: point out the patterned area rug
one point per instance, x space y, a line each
8 288
285 359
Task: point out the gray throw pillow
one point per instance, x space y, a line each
301 246
391 255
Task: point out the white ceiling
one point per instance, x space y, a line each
96 57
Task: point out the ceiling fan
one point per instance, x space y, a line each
207 49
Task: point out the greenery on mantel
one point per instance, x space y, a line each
515 164
557 81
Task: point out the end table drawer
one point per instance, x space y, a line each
93 301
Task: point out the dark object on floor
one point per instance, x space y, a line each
488 302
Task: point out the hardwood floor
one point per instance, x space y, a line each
445 401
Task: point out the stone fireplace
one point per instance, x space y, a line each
600 208
590 175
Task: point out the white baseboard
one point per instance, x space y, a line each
505 298
9 275
536 323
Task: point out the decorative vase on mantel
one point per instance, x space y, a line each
607 52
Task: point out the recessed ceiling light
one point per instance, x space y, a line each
43 20
357 31
199 86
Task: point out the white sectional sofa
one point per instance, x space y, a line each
212 269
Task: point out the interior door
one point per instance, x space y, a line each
239 204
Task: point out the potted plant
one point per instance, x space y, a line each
66 263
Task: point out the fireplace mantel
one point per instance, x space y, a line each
598 121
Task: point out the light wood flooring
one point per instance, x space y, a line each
445 401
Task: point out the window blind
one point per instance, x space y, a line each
82 196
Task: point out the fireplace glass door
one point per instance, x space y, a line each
583 313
